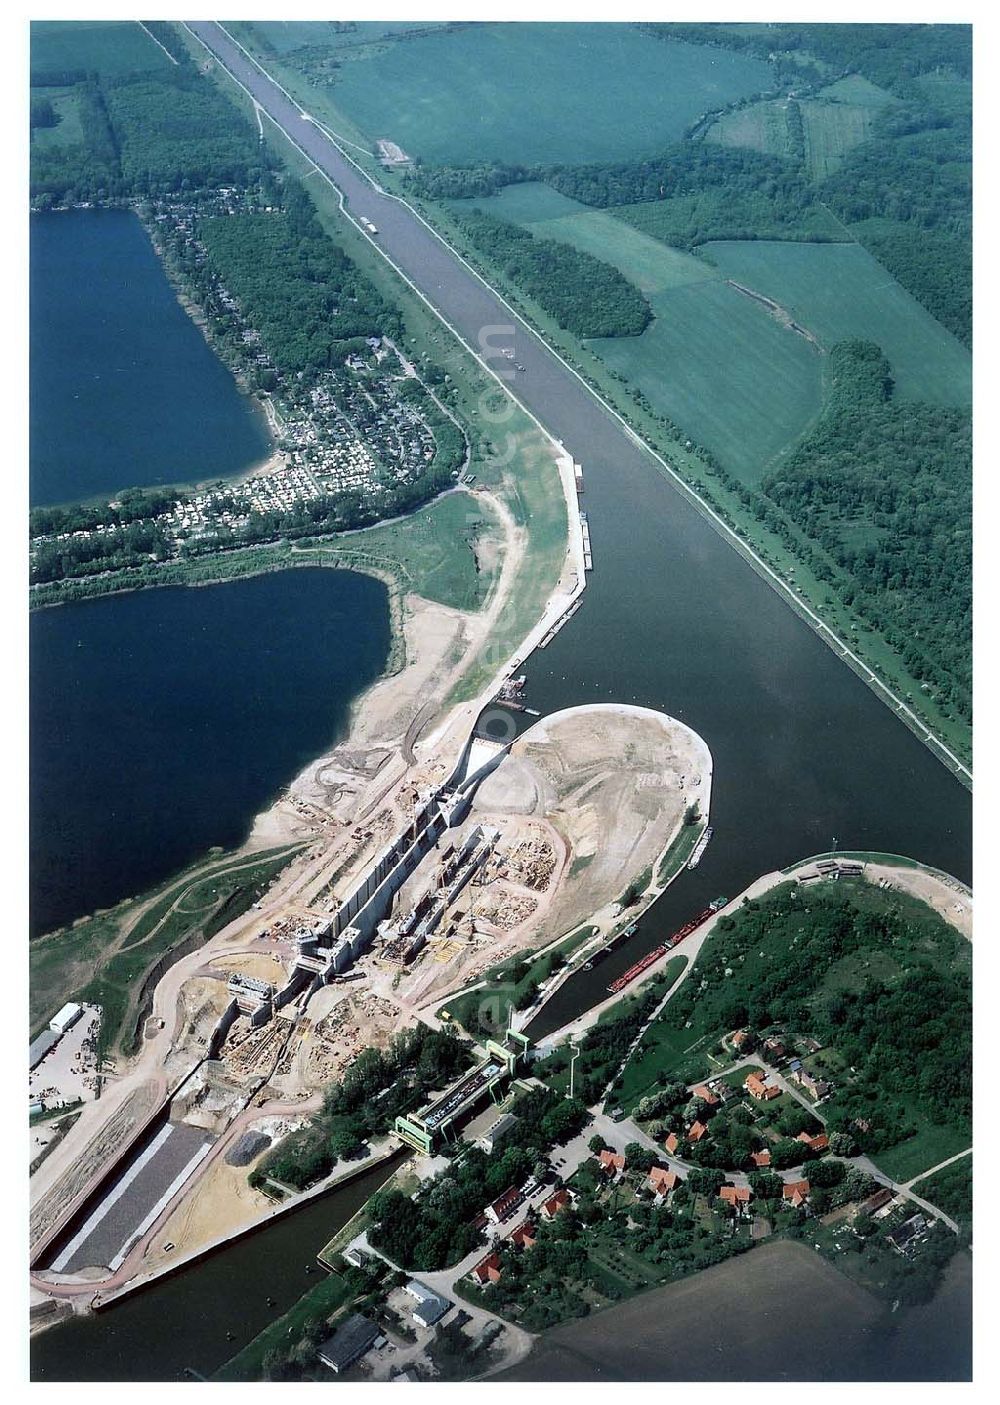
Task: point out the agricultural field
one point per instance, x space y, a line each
838 291
537 93
735 379
648 263
716 362
109 48
763 127
833 122
284 36
68 131
839 119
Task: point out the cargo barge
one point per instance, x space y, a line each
646 961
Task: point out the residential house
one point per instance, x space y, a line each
672 1143
759 1090
796 1192
662 1182
761 1159
487 1270
701 1090
555 1203
524 1236
612 1163
775 1047
901 1238
737 1038
504 1206
737 1197
696 1131
820 1142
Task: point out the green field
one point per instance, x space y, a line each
539 92
112 49
763 127
68 131
649 263
950 1189
835 121
431 551
720 366
839 291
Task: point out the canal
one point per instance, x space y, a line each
674 618
204 1315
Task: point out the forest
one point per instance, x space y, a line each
886 488
585 295
887 54
295 286
144 134
365 1103
437 1229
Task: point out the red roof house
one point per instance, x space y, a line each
797 1192
696 1131
524 1236
738 1196
661 1181
703 1091
503 1206
555 1203
487 1270
671 1143
761 1158
612 1162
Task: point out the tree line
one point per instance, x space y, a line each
901 472
585 295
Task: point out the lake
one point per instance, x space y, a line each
124 389
163 720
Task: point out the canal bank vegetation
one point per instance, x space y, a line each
512 985
115 958
286 1349
604 1047
875 980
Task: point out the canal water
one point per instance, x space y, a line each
124 390
200 1318
162 721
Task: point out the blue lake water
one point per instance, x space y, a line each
162 721
124 389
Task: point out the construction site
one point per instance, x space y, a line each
448 872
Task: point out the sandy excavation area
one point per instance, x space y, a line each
614 782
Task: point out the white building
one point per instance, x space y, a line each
65 1019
